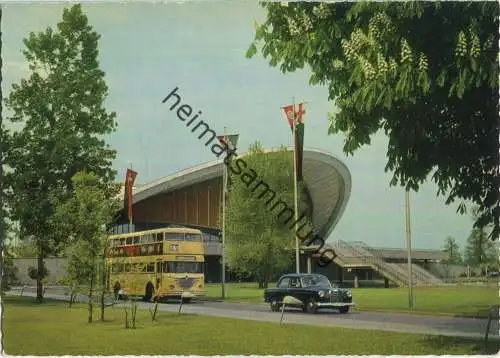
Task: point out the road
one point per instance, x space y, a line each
395 322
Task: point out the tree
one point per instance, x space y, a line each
437 101
9 271
85 217
479 251
258 242
60 109
2 186
453 250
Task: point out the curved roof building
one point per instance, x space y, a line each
192 197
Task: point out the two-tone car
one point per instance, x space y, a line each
309 292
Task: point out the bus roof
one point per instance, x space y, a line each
156 231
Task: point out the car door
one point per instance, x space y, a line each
282 288
294 287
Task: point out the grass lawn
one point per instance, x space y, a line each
52 329
455 300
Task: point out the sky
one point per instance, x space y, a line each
148 49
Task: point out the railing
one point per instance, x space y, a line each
419 275
378 264
431 279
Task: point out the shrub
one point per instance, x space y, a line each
33 272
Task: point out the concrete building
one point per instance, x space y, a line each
192 198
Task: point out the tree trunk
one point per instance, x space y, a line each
103 288
91 289
39 276
263 282
90 301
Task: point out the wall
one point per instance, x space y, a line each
56 267
450 271
198 204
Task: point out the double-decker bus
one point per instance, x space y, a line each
157 264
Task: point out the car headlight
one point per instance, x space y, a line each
321 294
348 294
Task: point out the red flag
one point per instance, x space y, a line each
223 139
129 184
289 112
230 141
298 113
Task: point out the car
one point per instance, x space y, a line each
310 292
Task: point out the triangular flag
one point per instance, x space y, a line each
229 140
129 184
300 111
297 114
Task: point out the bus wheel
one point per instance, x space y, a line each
149 292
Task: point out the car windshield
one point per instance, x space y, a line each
308 281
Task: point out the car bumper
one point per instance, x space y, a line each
334 304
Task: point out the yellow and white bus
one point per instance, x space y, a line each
155 264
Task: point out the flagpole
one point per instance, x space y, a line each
294 141
224 188
131 189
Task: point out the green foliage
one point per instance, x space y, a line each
9 271
257 240
453 250
60 111
426 73
34 274
479 251
85 218
25 249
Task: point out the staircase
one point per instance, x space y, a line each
397 273
420 276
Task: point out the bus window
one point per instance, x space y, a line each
116 268
159 237
150 267
136 240
147 239
129 240
193 237
122 241
184 267
174 236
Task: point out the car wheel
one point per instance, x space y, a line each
310 306
344 309
275 307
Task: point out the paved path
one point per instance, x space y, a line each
395 322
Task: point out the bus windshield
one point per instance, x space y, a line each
184 267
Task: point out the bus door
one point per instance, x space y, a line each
159 273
